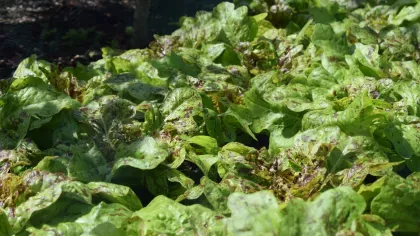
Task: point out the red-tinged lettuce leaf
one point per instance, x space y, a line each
179 109
29 104
47 200
111 121
317 156
59 204
245 162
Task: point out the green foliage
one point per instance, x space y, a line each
275 117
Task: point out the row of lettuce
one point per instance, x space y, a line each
274 118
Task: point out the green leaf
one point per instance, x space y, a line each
334 211
217 193
206 143
45 204
257 213
204 162
409 91
145 154
31 106
5 228
235 23
239 117
214 125
103 218
397 203
106 118
395 135
407 13
323 36
179 109
84 163
165 216
114 193
126 83
32 67
364 35
368 59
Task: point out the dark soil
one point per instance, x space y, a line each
61 31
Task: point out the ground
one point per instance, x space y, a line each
61 31
67 31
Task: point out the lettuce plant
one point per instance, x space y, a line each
258 118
